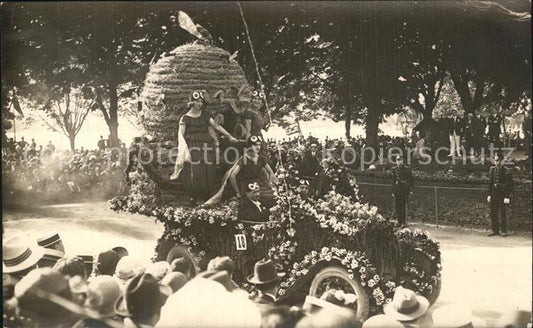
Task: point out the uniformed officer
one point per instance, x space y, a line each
500 188
402 182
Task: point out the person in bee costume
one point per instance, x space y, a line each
402 183
250 207
500 187
196 135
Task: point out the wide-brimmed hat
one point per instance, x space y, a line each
264 272
219 276
406 305
175 280
455 316
52 241
102 294
120 251
19 254
142 295
381 321
127 268
158 269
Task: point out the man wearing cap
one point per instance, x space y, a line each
500 188
266 281
402 182
250 208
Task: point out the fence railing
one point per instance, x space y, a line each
476 209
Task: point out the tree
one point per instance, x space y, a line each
68 114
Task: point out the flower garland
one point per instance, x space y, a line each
357 265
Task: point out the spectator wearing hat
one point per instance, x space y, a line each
402 182
181 260
102 294
221 277
127 268
455 130
52 241
266 281
250 207
158 269
174 280
106 263
456 316
500 187
40 309
71 266
406 305
223 263
20 256
206 303
101 143
141 301
323 181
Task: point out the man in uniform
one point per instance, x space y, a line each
500 188
402 182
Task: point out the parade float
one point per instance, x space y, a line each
334 242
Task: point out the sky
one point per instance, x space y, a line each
95 126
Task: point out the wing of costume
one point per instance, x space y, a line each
184 156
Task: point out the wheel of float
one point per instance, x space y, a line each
342 276
427 265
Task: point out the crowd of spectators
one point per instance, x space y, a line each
43 287
27 167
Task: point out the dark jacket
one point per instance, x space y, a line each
309 165
455 125
501 181
402 179
322 184
248 211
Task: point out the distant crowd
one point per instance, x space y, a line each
28 167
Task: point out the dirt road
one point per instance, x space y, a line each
488 274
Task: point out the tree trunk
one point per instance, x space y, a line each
72 138
348 110
113 114
372 126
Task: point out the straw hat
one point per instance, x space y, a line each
455 316
18 255
406 305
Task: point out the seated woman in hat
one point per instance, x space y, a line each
251 167
250 208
